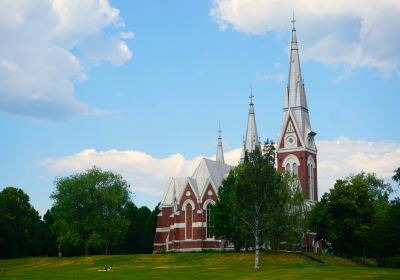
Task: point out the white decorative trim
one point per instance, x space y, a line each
199 224
208 182
188 183
208 201
163 229
187 201
299 149
179 225
311 161
162 244
291 158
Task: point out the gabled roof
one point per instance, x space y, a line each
214 170
208 171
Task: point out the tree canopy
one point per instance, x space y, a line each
89 210
354 216
257 203
20 224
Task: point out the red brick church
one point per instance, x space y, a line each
184 217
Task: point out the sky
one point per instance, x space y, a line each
139 87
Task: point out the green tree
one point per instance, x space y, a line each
89 211
140 235
255 198
350 216
396 175
226 220
20 225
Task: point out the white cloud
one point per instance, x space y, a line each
47 46
343 156
356 33
146 174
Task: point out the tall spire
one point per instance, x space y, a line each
295 89
251 138
295 95
220 151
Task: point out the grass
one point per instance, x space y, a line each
191 266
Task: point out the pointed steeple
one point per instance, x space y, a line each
295 95
295 89
220 151
251 139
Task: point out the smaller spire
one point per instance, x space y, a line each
220 151
251 137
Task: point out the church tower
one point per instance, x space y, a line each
251 140
296 150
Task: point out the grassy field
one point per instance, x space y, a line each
191 266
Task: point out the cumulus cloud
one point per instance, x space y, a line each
343 156
146 174
355 33
48 46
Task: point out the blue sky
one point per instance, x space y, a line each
139 87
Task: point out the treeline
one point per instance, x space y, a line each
92 213
358 218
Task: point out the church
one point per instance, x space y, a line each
184 219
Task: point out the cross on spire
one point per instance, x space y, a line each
251 95
293 20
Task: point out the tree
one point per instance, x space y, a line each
350 216
140 235
89 211
255 198
226 222
396 175
20 225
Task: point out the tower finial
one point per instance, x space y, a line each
219 129
293 20
251 95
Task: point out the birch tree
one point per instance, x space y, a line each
255 197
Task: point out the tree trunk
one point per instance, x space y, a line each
257 252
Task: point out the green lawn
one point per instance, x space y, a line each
191 266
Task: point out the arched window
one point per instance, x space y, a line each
188 221
295 169
311 180
291 164
288 169
208 221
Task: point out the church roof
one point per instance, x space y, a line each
208 171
